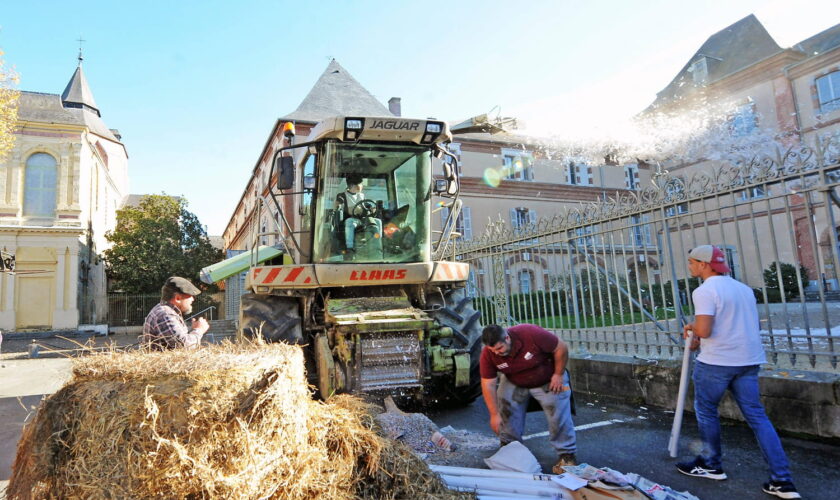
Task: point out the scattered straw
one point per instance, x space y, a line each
229 421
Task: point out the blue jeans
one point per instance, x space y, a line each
513 405
350 225
710 384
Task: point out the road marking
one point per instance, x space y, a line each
577 428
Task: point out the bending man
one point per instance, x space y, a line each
528 361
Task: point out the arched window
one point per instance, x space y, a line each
40 186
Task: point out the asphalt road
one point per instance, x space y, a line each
633 440
636 440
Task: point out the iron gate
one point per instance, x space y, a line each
611 277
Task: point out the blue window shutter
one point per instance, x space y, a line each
467 215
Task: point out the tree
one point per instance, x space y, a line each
789 281
8 108
155 240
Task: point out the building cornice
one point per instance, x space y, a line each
814 63
41 229
759 72
538 191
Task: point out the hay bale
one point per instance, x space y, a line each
232 421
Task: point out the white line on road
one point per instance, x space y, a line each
577 428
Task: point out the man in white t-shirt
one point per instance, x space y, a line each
726 329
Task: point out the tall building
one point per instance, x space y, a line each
60 188
776 99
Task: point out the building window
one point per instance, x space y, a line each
828 92
585 235
579 174
521 217
524 281
743 121
463 225
472 284
102 153
699 70
631 176
455 149
753 192
40 186
640 230
732 261
517 165
679 209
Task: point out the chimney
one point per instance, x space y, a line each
394 106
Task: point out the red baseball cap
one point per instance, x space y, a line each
711 254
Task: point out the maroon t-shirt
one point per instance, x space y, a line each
530 362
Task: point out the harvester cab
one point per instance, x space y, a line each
365 290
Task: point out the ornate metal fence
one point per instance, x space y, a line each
611 277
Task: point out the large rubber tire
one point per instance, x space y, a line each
275 319
457 312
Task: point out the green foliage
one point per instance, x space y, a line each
155 240
789 281
524 306
774 295
662 296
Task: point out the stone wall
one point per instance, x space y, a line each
799 402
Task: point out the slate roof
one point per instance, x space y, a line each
48 108
337 93
730 50
821 42
78 91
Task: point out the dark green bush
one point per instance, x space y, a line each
774 295
789 282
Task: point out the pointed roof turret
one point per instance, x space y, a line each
337 93
77 94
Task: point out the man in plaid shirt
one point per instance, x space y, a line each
165 327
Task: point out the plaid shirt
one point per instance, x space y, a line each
165 328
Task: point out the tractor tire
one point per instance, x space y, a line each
273 318
457 312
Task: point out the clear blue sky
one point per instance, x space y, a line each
195 86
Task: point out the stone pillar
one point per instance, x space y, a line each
60 262
786 118
65 312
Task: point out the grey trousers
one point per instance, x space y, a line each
513 405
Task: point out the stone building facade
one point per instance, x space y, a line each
60 188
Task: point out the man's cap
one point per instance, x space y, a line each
711 254
182 285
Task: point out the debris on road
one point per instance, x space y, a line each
420 434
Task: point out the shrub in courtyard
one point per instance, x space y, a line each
789 281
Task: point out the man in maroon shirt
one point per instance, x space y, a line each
532 363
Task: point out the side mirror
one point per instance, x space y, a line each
309 182
285 168
441 186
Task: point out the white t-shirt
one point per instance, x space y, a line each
352 200
735 340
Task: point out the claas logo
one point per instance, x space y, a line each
378 275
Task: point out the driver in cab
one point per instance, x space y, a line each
356 211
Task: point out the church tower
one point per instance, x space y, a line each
60 188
